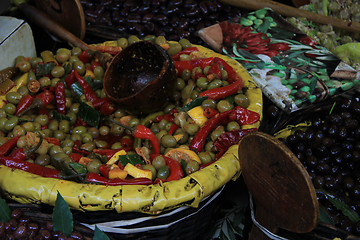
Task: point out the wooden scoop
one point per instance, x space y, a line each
295 12
281 187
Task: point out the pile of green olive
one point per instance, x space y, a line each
109 135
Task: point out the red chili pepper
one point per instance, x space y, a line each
191 64
173 128
244 116
100 101
96 178
198 141
215 69
107 108
70 79
186 51
60 97
84 152
279 46
104 170
18 154
167 117
80 122
46 97
94 64
209 112
51 140
232 74
75 157
226 140
127 143
24 103
29 167
9 145
85 56
89 93
304 39
223 92
143 132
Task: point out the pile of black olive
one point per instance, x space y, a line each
330 151
20 226
175 19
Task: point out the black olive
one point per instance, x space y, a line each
323 168
348 183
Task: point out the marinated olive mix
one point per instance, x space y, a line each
330 151
23 227
173 19
63 125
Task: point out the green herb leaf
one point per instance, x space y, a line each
325 217
62 216
5 212
99 235
44 69
59 116
79 168
194 103
77 89
89 115
131 158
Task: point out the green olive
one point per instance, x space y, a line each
67 143
224 75
160 134
116 145
89 146
43 159
23 90
3 120
196 71
242 100
94 132
59 156
76 51
116 130
185 136
79 66
215 84
54 149
21 142
158 162
191 128
72 116
191 166
163 172
180 84
119 113
63 55
149 38
53 124
2 113
93 166
59 135
162 124
217 132
100 143
134 122
150 168
45 81
13 97
160 40
208 103
86 137
64 125
74 108
67 150
168 141
122 42
205 157
79 129
24 66
42 119
47 132
186 74
37 126
54 81
133 39
104 130
174 48
233 125
75 137
11 123
184 43
209 146
35 61
99 71
224 105
18 131
202 83
9 108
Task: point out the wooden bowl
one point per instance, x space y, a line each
141 78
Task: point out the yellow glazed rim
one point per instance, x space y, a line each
189 191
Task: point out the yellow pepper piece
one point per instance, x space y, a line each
137 172
85 161
89 73
178 137
21 81
197 114
182 153
116 172
115 157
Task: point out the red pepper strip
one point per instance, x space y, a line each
29 167
232 74
46 97
186 51
167 117
60 97
113 50
173 128
18 154
70 79
127 143
107 108
24 103
226 140
198 142
96 178
94 64
143 132
223 92
210 112
174 166
84 152
9 145
89 93
104 170
215 69
245 116
106 152
304 39
191 64
99 102
85 57
75 157
54 141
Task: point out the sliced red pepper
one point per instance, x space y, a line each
75 157
174 166
187 51
127 143
244 116
106 152
29 167
24 103
18 154
107 108
46 97
191 64
143 132
104 170
167 117
223 92
85 56
9 145
232 74
173 128
210 112
60 98
89 93
70 79
215 69
198 141
51 140
99 102
94 64
96 178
